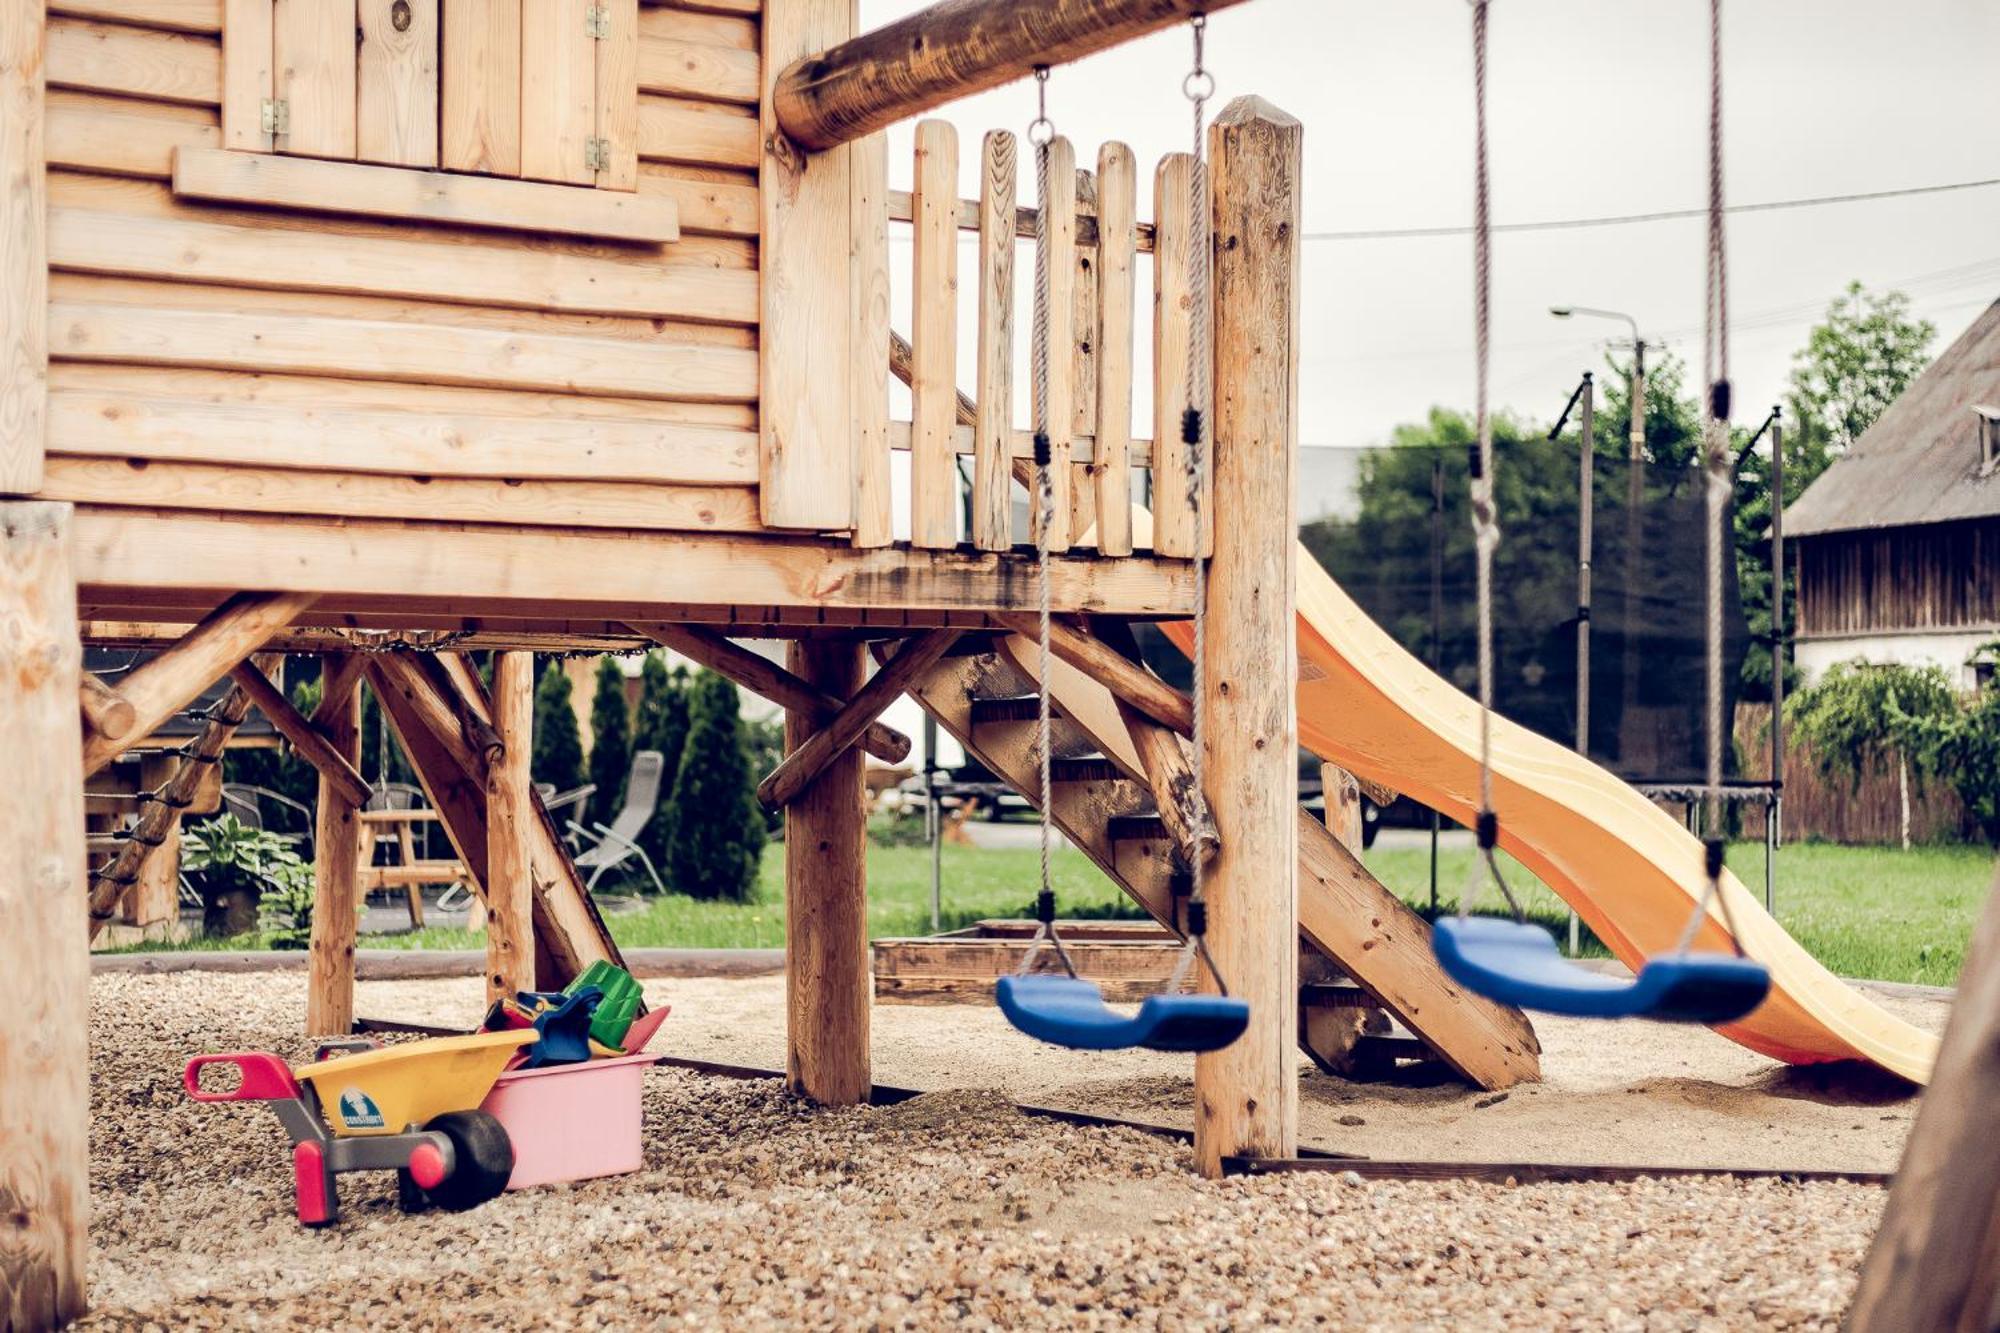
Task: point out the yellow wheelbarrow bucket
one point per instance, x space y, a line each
385 1091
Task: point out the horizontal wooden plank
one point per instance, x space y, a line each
1081 446
134 62
726 208
428 196
277 257
701 70
375 349
304 393
95 139
711 23
1026 220
202 16
677 131
266 490
121 552
112 424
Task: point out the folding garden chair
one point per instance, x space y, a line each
615 843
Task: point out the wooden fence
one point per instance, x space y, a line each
1836 809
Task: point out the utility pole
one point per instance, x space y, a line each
1774 829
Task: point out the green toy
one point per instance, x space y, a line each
619 1007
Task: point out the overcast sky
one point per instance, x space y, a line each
1597 107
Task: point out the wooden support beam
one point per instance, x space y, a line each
1128 680
1169 770
510 817
170 682
1342 793
827 989
950 50
337 849
24 255
153 904
804 762
45 984
405 676
768 680
1935 1263
105 711
340 676
312 745
1246 1095
201 759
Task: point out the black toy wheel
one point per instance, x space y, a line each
483 1158
409 1194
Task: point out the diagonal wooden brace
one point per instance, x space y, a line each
797 770
311 743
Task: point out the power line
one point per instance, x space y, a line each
1666 215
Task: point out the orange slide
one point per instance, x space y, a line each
1630 870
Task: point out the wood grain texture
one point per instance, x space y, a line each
1117 248
698 133
337 846
314 63
383 350
45 987
418 196
205 17
104 709
827 990
510 796
154 904
806 760
1055 400
807 418
106 137
1177 512
952 49
558 92
397 105
248 76
165 684
24 269
934 338
992 454
618 96
135 62
481 119
1247 1094
874 488
705 71
1083 374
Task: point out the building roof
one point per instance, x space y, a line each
1920 461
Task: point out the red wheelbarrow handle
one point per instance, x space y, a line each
265 1078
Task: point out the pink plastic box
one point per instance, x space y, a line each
571 1122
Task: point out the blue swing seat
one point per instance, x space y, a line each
1517 963
1066 1011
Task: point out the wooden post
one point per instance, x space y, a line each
337 834
939 54
1246 1095
24 260
827 988
806 455
45 971
811 756
510 889
1343 805
155 897
1935 1264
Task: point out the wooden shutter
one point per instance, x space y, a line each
396 118
313 56
580 92
482 87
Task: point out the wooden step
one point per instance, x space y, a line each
1136 828
1013 708
1087 768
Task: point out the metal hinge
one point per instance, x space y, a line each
597 154
597 22
275 116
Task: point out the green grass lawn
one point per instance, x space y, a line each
1863 911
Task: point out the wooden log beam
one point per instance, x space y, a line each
312 745
510 816
105 711
827 990
170 682
437 712
1169 770
163 808
1130 682
1935 1263
804 762
45 982
338 836
950 50
768 680
1246 1094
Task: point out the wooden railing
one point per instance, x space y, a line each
1095 237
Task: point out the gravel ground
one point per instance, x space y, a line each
753 1211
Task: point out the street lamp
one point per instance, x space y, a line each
1636 435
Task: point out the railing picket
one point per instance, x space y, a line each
934 338
992 460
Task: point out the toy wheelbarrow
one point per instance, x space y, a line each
411 1109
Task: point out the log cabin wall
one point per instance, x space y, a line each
222 356
1941 576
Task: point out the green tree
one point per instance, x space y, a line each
1858 716
662 725
610 741
558 757
1855 363
718 830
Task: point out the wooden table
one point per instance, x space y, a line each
412 873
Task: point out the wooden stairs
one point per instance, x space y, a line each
1367 954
